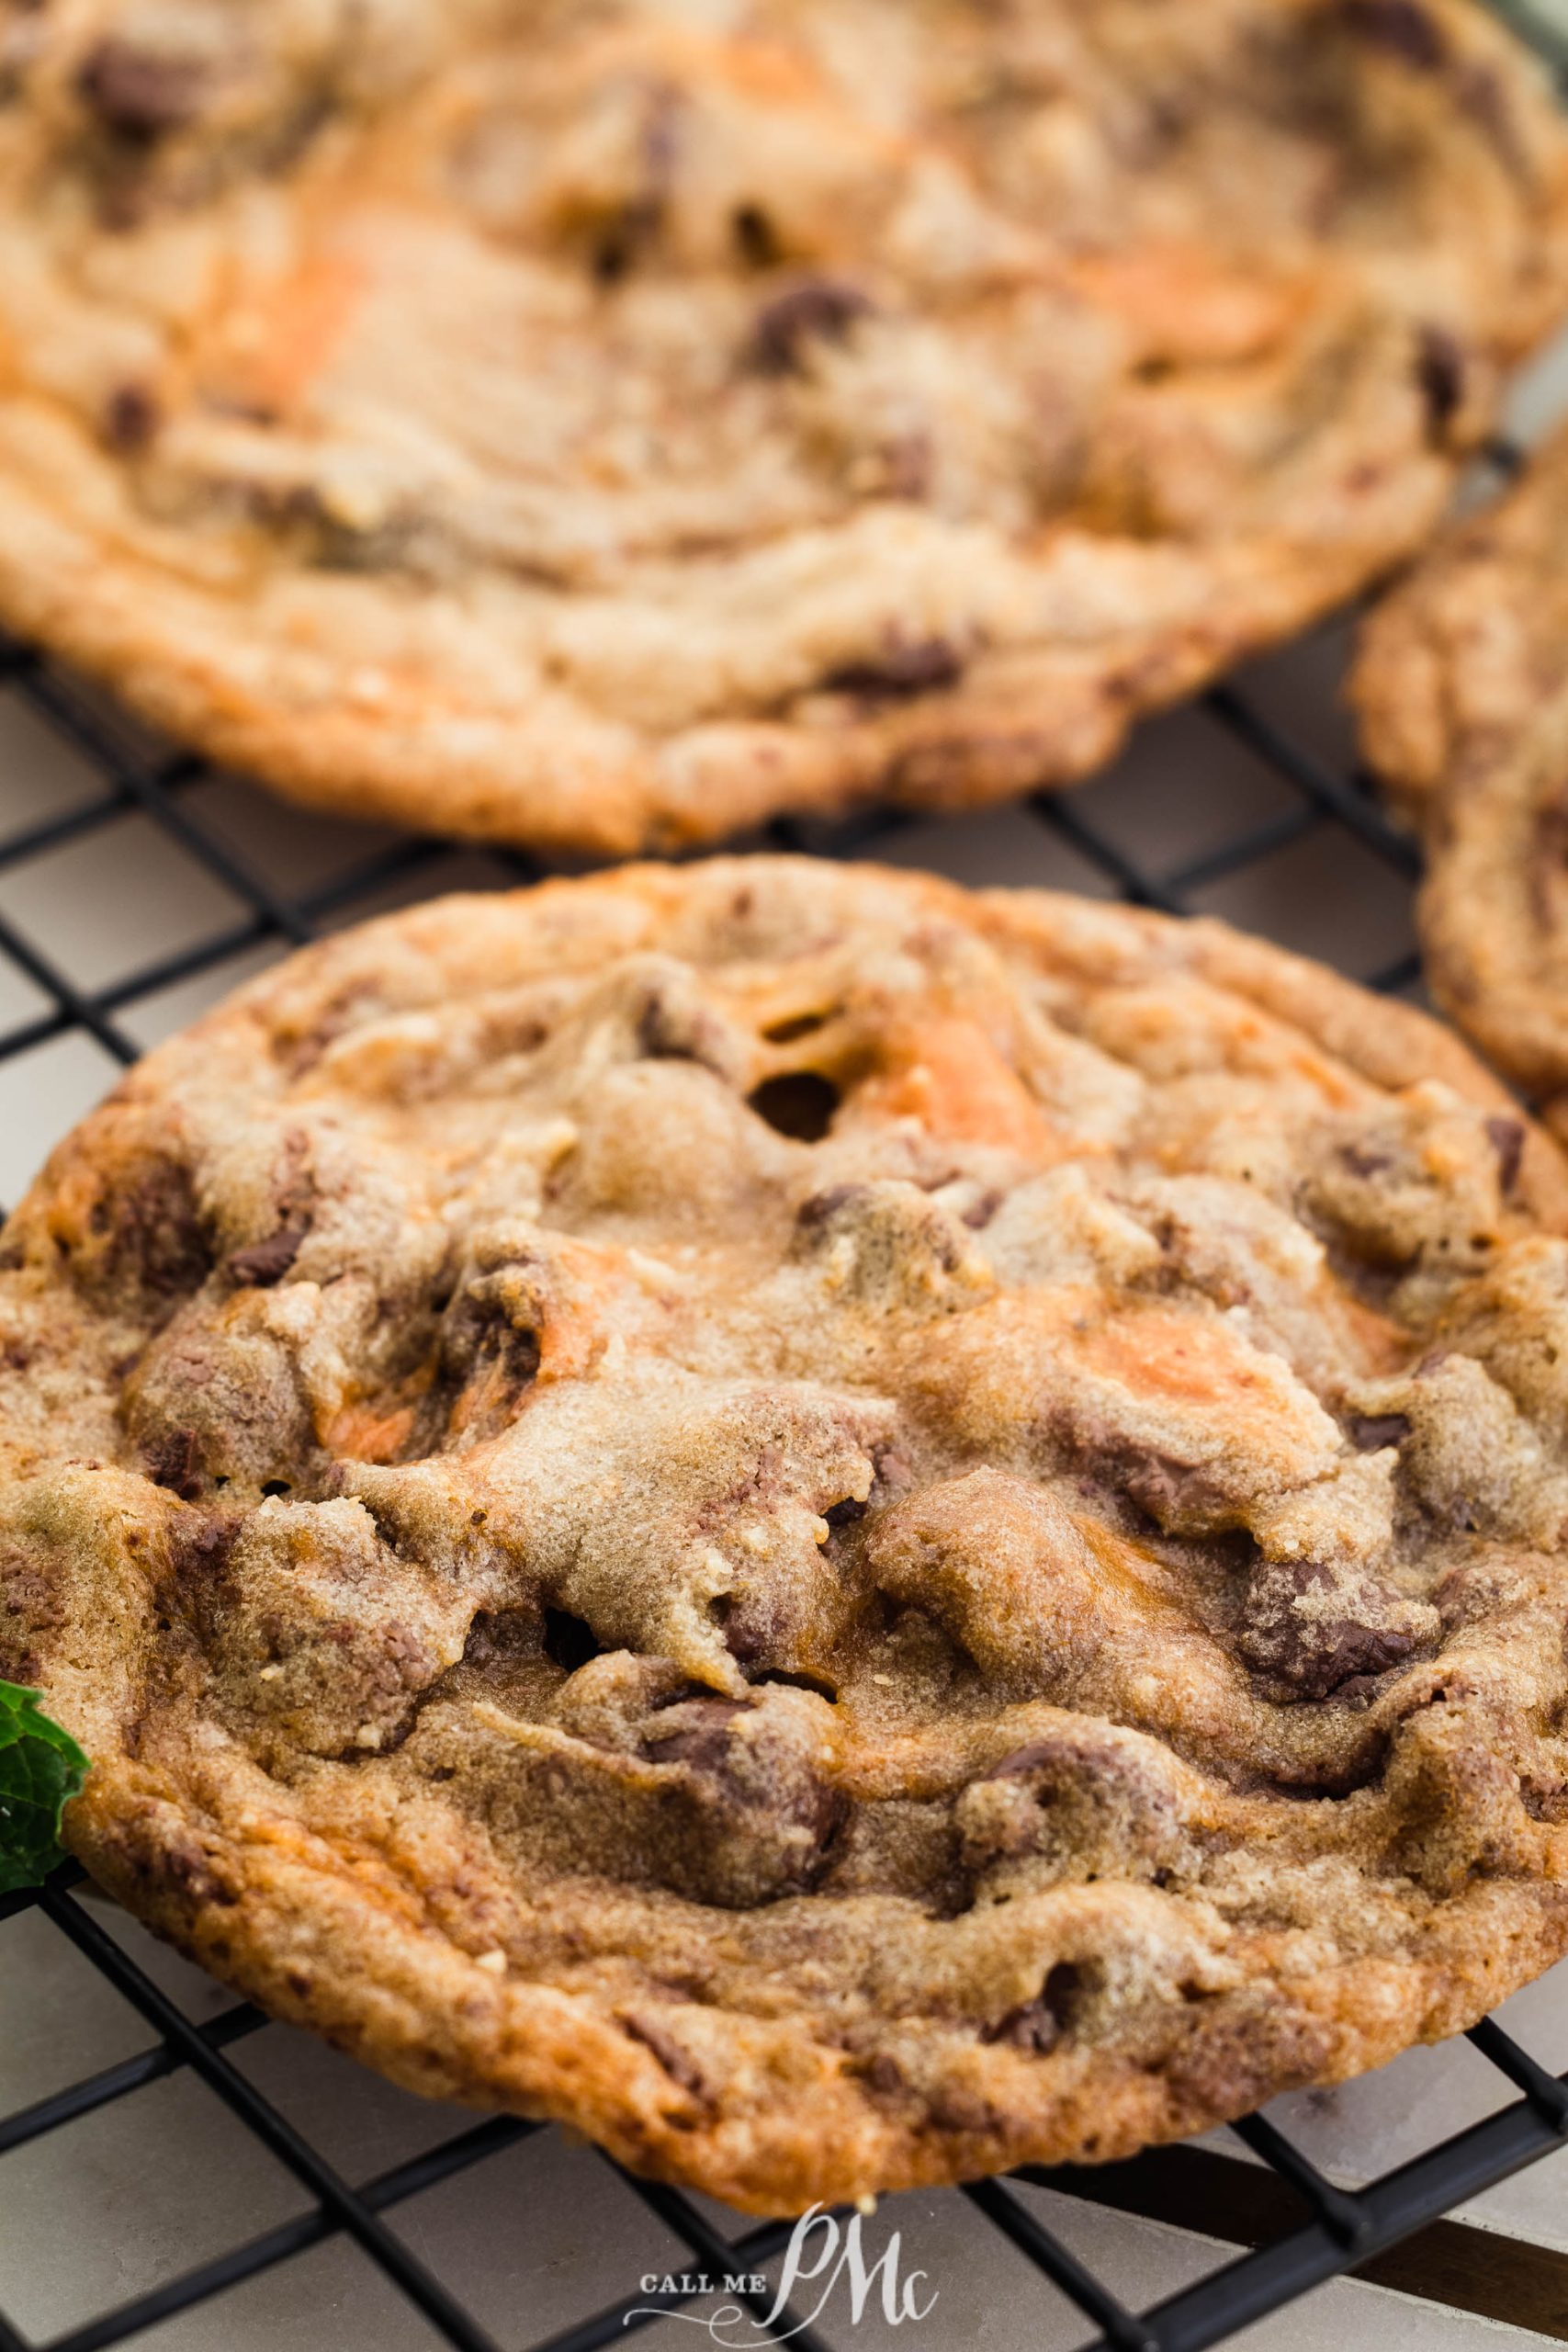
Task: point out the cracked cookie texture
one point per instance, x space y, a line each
843 1533
1461 686
598 423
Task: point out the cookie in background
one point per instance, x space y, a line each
622 428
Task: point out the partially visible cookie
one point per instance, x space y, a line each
1461 684
603 425
841 1533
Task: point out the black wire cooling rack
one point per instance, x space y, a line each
1299 2228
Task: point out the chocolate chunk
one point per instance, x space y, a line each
817 311
265 1262
1164 1489
901 672
1547 857
25 1593
191 1870
627 238
507 1635
1091 1801
491 1349
175 1462
1440 371
756 239
199 1547
703 1740
154 1232
953 2108
746 1800
137 94
747 1626
1369 1432
1481 96
1366 1161
674 1026
678 2064
820 1208
844 1514
131 421
1507 1140
1030 2027
1403 27
1313 1651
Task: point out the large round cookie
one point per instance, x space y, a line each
610 422
1461 684
841 1533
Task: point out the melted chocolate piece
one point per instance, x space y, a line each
175 1462
1313 1653
1369 1432
1440 372
1507 1140
678 2064
265 1262
817 311
137 95
1403 27
901 672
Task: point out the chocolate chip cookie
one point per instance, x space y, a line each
843 1533
601 425
1462 683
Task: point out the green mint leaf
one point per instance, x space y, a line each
41 1767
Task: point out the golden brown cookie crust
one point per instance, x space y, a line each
1461 686
843 1533
620 434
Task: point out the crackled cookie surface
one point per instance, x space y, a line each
1461 683
601 423
843 1533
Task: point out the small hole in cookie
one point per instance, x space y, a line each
816 1683
799 1103
276 1487
570 1642
756 239
797 1024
